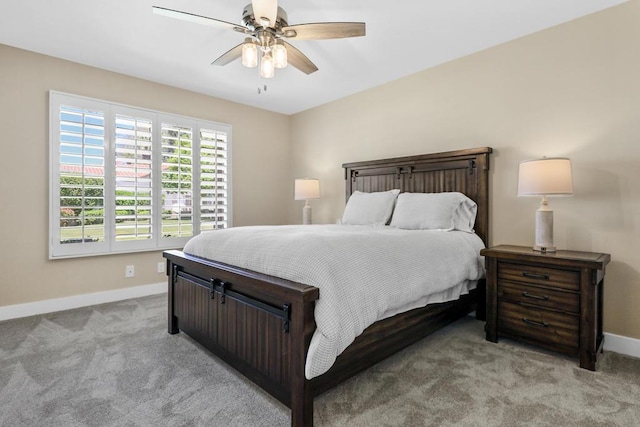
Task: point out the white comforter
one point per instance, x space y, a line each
364 273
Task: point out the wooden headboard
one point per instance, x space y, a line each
466 171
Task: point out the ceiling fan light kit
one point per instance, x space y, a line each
266 25
279 55
249 53
267 70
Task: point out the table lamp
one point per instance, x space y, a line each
306 189
545 177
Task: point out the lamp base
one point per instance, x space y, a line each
306 214
544 230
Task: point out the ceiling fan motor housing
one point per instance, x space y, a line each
250 21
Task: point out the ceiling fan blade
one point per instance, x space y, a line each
299 60
265 9
198 19
229 56
324 30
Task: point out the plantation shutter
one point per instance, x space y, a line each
177 180
133 178
79 160
214 179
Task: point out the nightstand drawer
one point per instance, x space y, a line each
538 325
543 297
544 276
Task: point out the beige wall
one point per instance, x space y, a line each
573 90
261 176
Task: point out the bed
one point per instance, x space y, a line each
263 325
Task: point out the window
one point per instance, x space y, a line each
126 179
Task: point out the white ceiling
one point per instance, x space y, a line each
126 37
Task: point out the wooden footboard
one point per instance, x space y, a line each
261 325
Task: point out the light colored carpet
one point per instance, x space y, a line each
115 365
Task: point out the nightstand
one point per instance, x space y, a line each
549 299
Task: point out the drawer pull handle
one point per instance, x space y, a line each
535 276
528 295
533 322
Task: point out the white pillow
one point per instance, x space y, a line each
369 208
434 211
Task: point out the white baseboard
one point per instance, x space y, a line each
622 345
76 301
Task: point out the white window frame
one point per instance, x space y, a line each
110 245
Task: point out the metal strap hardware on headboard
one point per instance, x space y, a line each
407 169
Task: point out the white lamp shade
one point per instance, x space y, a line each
306 189
545 177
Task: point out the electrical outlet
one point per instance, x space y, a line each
161 267
129 271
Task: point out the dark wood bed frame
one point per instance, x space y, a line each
262 325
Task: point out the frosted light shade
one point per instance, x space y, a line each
249 53
545 177
279 55
306 189
267 70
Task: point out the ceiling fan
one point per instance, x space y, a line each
266 27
